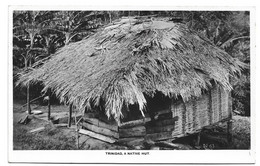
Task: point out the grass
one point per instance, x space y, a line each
241 133
49 139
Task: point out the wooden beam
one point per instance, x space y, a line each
24 119
100 130
134 123
99 123
37 130
97 136
60 125
159 129
162 122
159 136
162 116
32 101
173 145
70 115
132 132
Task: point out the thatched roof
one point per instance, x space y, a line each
127 59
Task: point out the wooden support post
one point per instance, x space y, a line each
77 130
29 110
75 116
198 140
49 105
70 115
229 131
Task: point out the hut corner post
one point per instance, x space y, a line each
229 122
70 115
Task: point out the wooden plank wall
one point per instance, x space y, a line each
105 130
178 120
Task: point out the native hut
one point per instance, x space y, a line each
141 78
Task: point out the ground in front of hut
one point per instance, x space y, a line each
52 137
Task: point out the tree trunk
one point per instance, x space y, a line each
28 92
110 17
47 40
28 64
67 38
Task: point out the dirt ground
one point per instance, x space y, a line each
64 138
51 138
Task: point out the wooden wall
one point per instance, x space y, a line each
208 109
176 120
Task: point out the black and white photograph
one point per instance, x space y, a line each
130 82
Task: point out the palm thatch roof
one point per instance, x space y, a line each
133 58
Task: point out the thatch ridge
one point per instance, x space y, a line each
133 57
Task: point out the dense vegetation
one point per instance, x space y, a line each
37 35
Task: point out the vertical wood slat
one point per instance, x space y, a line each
202 111
210 111
181 115
230 105
189 116
224 101
229 124
184 118
215 104
49 105
194 107
177 110
178 126
220 103
173 109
